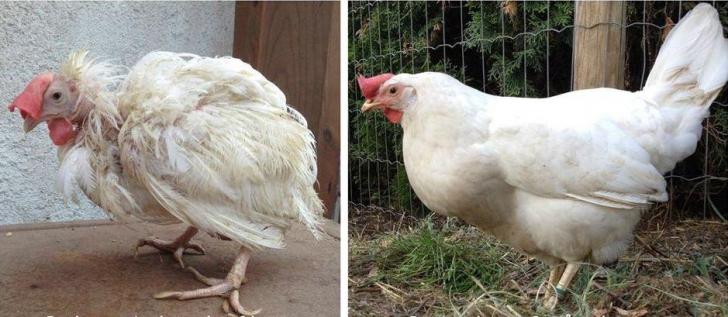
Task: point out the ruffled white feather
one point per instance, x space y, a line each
206 141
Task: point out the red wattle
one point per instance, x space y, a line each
61 131
394 116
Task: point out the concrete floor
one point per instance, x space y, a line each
88 269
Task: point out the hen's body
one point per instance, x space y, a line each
558 151
564 178
206 141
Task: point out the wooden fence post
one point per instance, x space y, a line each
598 54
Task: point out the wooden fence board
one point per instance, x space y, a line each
296 46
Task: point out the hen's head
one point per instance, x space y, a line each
388 93
57 98
51 98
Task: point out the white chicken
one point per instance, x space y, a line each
206 141
564 178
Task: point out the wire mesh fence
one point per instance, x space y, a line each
513 49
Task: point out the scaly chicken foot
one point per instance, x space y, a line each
567 276
227 288
178 247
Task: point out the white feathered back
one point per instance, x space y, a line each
216 145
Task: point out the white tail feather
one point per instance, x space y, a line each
692 65
688 75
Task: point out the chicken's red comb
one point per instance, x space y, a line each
30 101
370 86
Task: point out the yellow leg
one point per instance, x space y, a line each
569 273
555 274
566 277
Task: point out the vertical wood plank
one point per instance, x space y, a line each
329 122
247 31
598 54
295 45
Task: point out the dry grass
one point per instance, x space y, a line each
403 266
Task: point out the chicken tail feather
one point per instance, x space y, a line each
692 65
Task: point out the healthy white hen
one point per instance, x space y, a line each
563 178
206 141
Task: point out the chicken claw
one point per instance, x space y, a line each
178 247
227 288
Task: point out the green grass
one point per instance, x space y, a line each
439 267
427 257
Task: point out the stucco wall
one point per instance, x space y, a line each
36 37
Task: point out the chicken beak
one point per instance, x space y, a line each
30 124
368 105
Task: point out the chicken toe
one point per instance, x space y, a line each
226 288
211 281
221 289
234 301
178 247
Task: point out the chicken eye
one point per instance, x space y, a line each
56 96
393 90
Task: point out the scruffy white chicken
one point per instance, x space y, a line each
563 178
206 141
